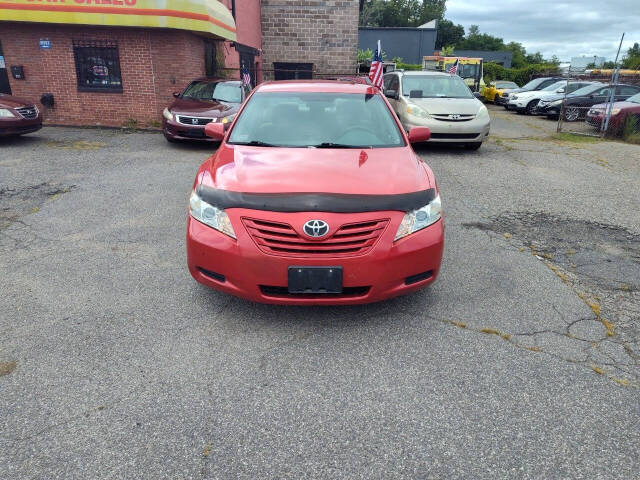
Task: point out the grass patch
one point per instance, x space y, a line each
622 381
534 349
609 326
7 367
572 137
458 324
597 369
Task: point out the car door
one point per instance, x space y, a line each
599 96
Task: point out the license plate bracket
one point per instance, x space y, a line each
314 280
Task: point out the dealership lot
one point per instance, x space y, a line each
521 361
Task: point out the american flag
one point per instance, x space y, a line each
453 69
376 70
246 78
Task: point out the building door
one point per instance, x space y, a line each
292 71
4 76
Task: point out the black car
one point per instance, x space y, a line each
578 103
535 84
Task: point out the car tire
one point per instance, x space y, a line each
530 107
472 145
572 114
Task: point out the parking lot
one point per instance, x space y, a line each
521 361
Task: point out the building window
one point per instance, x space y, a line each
292 71
210 59
97 66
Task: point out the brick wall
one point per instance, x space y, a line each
322 32
153 62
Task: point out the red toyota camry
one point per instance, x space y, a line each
315 196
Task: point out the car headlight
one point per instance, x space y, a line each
228 119
483 113
417 111
615 111
557 102
513 97
210 215
6 113
419 219
167 114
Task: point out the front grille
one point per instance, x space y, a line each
454 117
282 239
455 136
274 291
185 120
28 112
505 94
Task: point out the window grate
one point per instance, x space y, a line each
97 65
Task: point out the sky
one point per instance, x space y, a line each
567 28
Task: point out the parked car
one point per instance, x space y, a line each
440 101
551 105
315 196
535 84
18 116
624 114
204 100
577 106
493 92
526 102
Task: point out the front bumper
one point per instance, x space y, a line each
178 131
19 126
470 131
240 268
549 110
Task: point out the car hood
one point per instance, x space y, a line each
8 101
602 106
507 90
191 106
373 171
446 106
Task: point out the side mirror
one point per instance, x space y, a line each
176 94
419 134
214 130
560 90
391 94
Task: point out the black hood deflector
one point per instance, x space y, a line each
315 202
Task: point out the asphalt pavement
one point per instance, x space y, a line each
521 361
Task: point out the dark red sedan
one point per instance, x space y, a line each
202 101
624 115
18 116
315 196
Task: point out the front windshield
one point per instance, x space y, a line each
506 85
222 91
310 119
586 90
554 86
435 86
468 70
533 83
634 99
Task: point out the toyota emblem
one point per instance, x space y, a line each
316 228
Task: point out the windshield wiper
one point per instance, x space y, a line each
337 145
255 143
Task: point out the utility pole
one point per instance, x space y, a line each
605 125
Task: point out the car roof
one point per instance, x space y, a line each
317 86
423 72
214 80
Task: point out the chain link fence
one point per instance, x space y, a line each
611 111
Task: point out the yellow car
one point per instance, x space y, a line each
493 92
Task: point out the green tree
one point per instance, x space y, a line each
449 33
480 41
401 13
518 60
534 58
632 57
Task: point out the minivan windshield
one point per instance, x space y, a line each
230 92
506 85
435 86
634 99
554 86
533 83
313 119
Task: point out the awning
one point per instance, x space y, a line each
206 16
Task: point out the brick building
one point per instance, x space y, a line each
119 63
306 38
